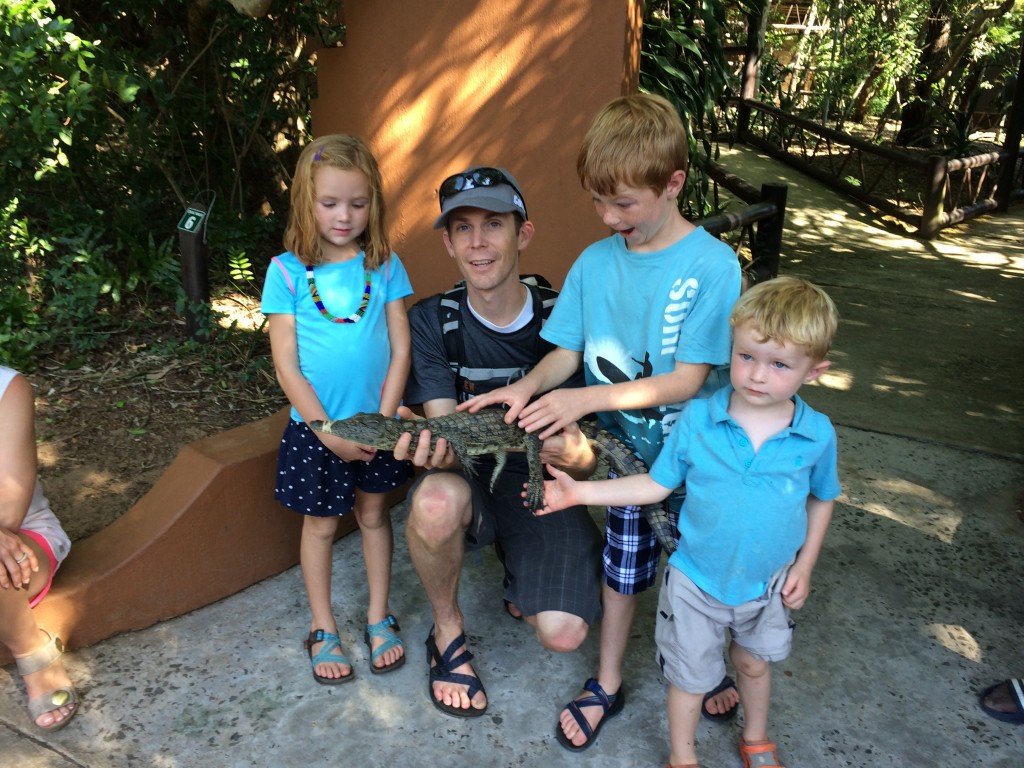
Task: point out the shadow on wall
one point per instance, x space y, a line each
464 83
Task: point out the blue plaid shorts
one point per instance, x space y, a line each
631 550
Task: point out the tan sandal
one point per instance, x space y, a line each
38 660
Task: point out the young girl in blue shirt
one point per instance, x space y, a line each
340 343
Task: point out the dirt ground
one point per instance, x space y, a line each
108 428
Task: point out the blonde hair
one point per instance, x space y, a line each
346 153
788 310
638 141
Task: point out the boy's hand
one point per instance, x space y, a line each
558 493
346 449
514 397
797 587
553 411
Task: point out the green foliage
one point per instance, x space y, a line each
112 117
683 58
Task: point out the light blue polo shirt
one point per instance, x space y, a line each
745 513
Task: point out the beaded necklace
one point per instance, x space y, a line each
356 316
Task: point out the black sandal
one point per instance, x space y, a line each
441 672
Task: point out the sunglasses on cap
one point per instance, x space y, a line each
474 179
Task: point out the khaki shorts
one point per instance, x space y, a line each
691 630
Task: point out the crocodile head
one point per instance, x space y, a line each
372 429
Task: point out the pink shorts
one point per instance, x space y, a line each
48 550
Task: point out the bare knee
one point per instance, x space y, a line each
319 528
439 509
746 663
561 632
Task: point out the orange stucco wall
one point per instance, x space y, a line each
436 87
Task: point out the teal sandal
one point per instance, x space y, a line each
383 629
327 655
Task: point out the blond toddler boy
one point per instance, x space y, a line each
760 471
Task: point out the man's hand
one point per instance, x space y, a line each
797 587
514 396
17 561
442 457
570 450
553 411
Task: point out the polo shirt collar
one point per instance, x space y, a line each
803 425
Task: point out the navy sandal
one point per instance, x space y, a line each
385 629
611 705
441 672
1015 696
719 717
326 656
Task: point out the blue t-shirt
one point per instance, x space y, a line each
745 513
634 315
345 363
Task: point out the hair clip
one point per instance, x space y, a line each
319 154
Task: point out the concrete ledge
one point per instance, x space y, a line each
207 529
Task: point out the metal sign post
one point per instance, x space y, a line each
195 264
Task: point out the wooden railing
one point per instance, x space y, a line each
928 192
756 229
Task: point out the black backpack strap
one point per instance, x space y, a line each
450 318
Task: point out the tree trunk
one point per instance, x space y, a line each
917 120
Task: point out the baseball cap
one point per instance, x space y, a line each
491 189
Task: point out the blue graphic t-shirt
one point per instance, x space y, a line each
345 363
634 315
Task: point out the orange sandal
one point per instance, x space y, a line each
759 754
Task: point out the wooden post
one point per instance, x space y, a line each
934 194
195 268
767 246
1014 126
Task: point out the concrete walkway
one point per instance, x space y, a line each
917 601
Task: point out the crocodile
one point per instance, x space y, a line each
486 434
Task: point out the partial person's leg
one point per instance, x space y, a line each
440 510
683 715
315 555
616 624
753 676
20 633
374 520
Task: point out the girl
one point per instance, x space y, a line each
32 546
340 342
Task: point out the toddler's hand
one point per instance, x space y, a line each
796 587
558 493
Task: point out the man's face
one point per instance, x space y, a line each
485 246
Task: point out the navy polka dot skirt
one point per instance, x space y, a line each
313 481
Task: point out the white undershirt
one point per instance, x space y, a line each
521 321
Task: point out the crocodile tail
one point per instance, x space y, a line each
663 529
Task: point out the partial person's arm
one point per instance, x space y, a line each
285 353
564 492
798 580
17 480
553 369
558 408
401 357
571 452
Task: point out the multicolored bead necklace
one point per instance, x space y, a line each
356 316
